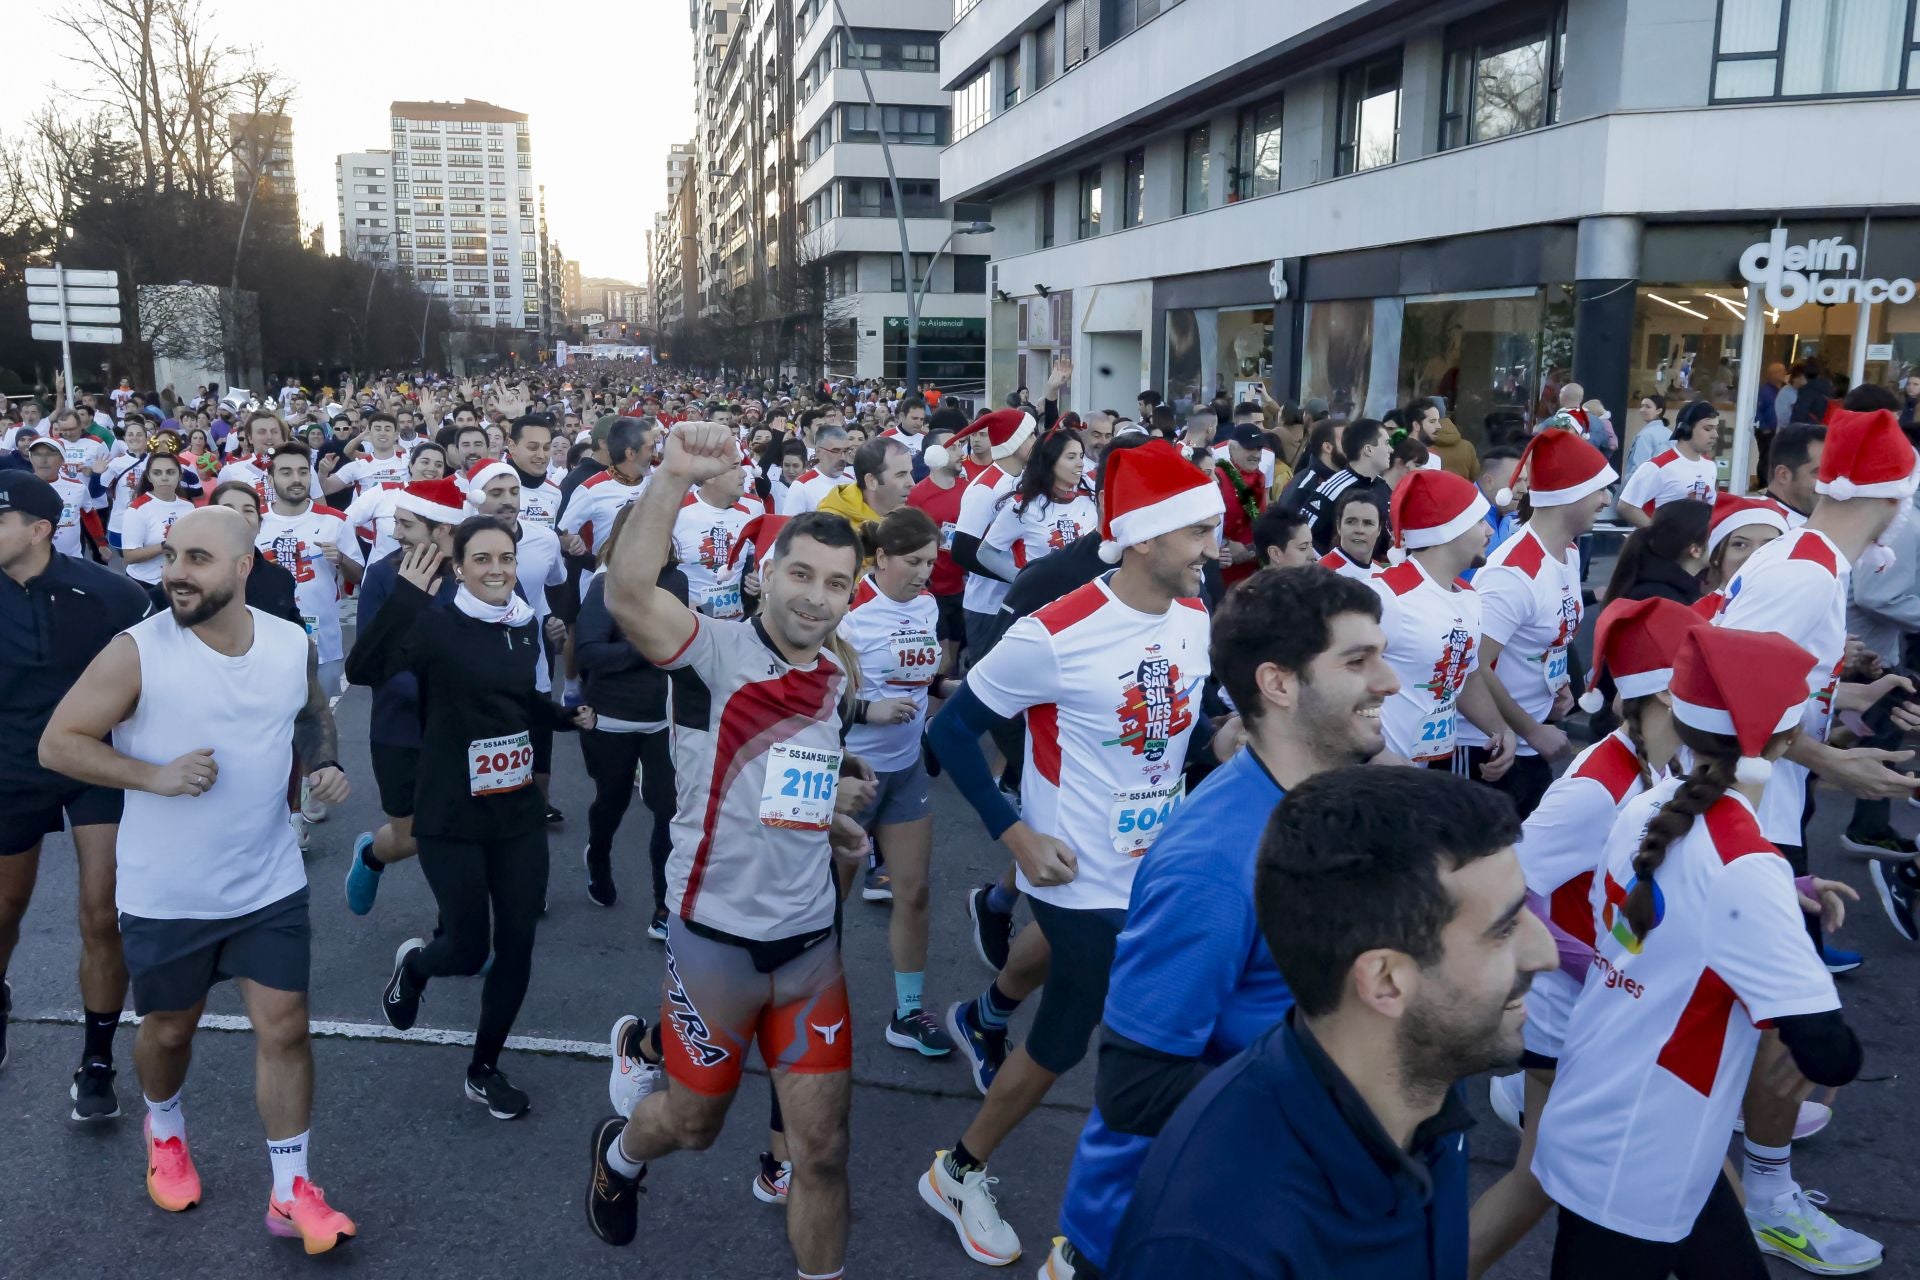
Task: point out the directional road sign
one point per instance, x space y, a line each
94 296
51 275
55 333
74 315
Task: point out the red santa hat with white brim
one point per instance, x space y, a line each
1634 643
1731 511
1744 685
1560 469
761 532
474 479
1152 490
437 500
1866 456
1006 430
1430 508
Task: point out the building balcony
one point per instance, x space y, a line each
865 160
895 88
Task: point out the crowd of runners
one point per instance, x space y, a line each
1269 712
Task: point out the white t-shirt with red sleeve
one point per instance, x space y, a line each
1530 606
1662 1038
298 544
250 471
1433 645
896 645
1110 696
1797 586
1338 561
1042 527
1669 477
978 503
591 510
367 472
145 525
703 538
808 489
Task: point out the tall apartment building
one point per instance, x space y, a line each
263 159
671 256
846 204
363 188
570 293
1480 201
465 224
714 23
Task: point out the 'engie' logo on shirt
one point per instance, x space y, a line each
1153 708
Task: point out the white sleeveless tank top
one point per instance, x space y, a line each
230 850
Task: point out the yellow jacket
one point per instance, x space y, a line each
846 500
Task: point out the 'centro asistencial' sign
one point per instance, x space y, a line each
1794 275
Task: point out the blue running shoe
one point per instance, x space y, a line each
363 878
1839 960
985 1051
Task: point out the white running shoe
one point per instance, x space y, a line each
969 1205
632 1077
1793 1227
1508 1094
1056 1267
1812 1119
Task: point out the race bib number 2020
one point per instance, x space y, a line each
496 765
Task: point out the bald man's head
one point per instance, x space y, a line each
209 553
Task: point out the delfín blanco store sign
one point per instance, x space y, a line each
1796 274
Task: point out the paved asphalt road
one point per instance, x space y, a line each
440 1189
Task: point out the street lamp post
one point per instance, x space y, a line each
916 298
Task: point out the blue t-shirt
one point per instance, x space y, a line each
1191 973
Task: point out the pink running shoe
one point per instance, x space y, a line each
308 1217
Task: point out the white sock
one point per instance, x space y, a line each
1766 1172
618 1162
167 1119
289 1156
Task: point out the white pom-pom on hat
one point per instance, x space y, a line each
1110 551
936 456
1504 497
1396 555
1753 770
1591 701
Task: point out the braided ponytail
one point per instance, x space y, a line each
1632 710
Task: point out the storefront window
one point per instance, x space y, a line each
1336 361
1214 349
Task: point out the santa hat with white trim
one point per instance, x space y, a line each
1007 430
1744 685
1152 490
1731 511
1430 508
436 500
1634 643
1866 456
1560 469
474 478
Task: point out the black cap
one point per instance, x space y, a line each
1247 436
28 494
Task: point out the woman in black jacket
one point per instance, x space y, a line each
1663 560
629 696
479 820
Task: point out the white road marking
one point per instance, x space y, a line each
366 1031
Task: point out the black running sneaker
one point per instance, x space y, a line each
613 1202
657 927
92 1092
600 879
401 1000
491 1089
992 930
921 1032
1895 881
555 817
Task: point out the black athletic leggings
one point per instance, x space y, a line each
490 897
612 759
1720 1247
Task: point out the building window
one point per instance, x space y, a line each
1043 55
921 262
969 273
917 125
1133 192
1815 48
873 198
1256 168
1076 32
1199 170
972 105
1046 216
1088 225
1010 73
1503 74
1369 114
891 50
1128 14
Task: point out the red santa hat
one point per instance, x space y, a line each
1731 511
1867 456
1433 507
1634 642
1152 490
1560 469
437 500
1745 685
761 531
1007 430
474 479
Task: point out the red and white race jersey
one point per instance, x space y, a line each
1662 1038
540 504
1796 585
898 650
77 456
1110 695
74 499
808 489
250 471
298 544
1346 566
1042 527
1530 606
1559 852
703 538
1433 645
145 525
757 754
121 480
371 515
1669 477
978 504
368 472
912 442
591 510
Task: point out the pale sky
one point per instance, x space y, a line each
607 87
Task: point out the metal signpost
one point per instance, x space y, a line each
73 306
